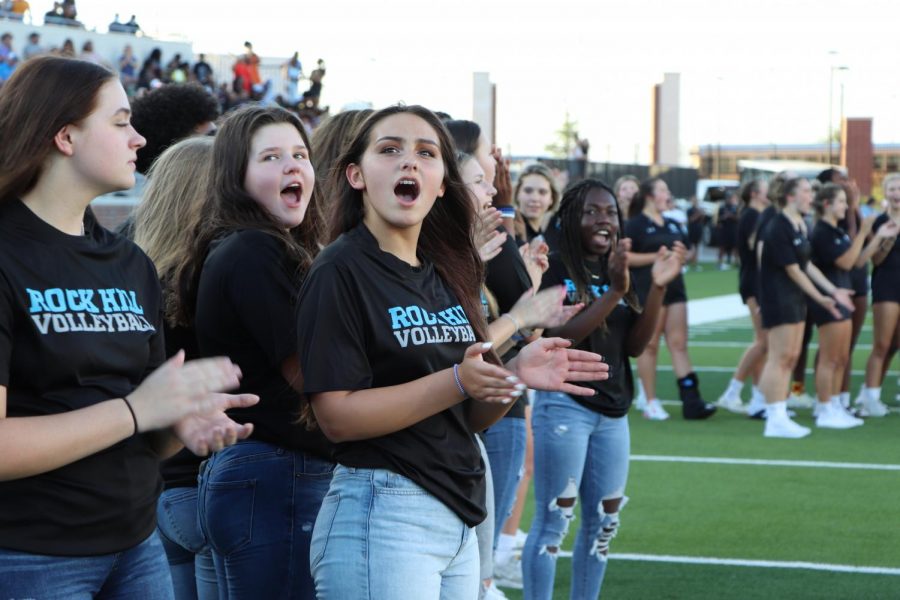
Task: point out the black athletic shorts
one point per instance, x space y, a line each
859 279
820 316
783 309
885 286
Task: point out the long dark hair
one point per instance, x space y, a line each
571 247
446 239
232 208
43 95
645 190
465 134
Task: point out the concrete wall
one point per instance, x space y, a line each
666 126
483 104
107 45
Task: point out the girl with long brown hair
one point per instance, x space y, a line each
258 499
397 370
87 404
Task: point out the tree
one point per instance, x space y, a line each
566 139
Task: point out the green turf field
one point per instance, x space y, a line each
754 512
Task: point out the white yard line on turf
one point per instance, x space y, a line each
811 464
716 308
709 344
731 370
765 564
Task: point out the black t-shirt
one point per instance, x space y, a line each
762 225
614 395
369 320
891 262
783 245
246 311
507 279
828 244
181 470
80 323
646 237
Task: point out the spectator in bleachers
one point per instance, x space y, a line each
133 25
292 72
55 13
203 73
311 96
243 77
128 65
8 57
252 61
176 70
69 11
33 48
17 9
151 69
88 54
68 49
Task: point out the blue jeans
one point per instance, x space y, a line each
190 559
577 452
380 536
258 503
139 572
485 529
505 443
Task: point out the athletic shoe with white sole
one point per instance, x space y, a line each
835 417
732 404
509 574
872 407
800 401
654 411
779 425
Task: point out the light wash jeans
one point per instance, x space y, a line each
505 442
379 536
139 572
258 503
190 559
576 452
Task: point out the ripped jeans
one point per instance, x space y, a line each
577 452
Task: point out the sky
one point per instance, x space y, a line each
751 72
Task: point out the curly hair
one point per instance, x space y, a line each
169 114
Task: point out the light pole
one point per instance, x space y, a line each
831 108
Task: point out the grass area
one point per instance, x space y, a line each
752 512
710 281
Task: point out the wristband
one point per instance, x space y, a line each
459 384
508 212
133 416
513 319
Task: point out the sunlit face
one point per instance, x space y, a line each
401 172
104 145
627 191
485 158
279 175
660 197
599 222
838 206
802 197
535 196
892 193
480 189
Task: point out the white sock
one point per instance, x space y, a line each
845 399
777 410
873 394
640 389
734 388
757 395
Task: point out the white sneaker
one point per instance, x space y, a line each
521 538
800 401
732 404
654 411
492 592
835 417
872 407
640 402
509 574
781 426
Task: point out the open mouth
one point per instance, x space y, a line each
603 234
292 193
407 190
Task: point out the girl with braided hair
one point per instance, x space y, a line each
582 444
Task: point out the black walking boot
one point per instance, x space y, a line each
692 405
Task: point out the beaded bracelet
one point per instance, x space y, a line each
459 384
513 319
